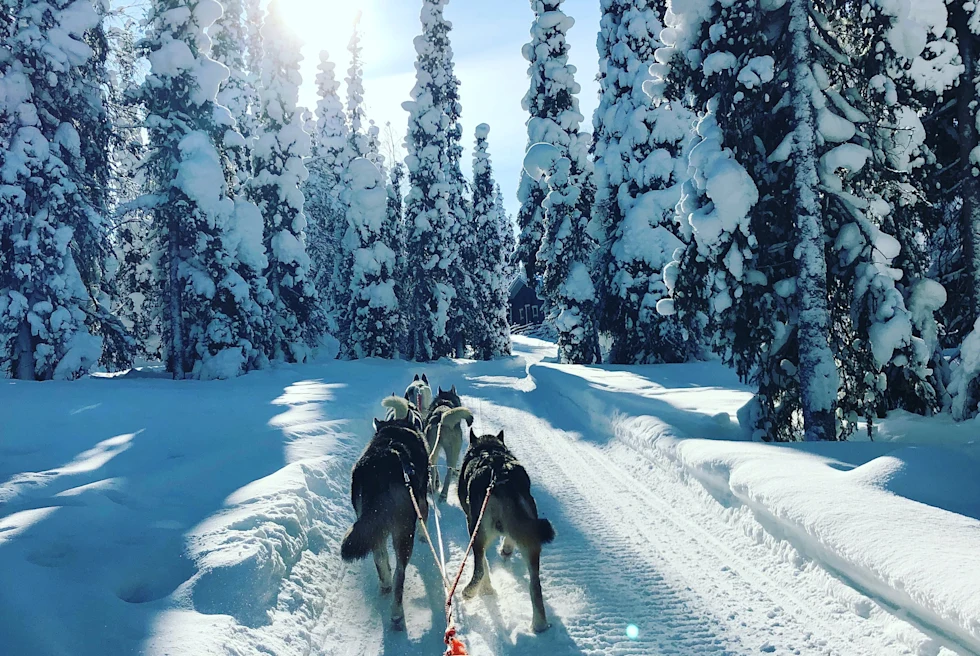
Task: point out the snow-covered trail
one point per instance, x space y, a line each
638 544
144 516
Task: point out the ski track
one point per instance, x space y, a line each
637 543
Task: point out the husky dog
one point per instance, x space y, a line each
384 507
444 432
511 513
420 393
403 410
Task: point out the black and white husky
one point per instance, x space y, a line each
403 410
419 393
444 434
511 513
383 506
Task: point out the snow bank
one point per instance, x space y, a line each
143 515
900 522
889 524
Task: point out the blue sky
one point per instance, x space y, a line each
487 38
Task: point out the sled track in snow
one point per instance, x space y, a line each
638 543
655 560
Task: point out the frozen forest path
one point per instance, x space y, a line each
139 515
638 543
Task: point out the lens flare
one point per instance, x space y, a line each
632 632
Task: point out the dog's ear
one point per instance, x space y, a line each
472 435
500 436
424 379
440 390
376 425
453 390
416 377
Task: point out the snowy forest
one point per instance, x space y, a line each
789 186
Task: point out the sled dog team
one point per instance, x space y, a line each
405 447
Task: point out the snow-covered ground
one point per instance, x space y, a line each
144 516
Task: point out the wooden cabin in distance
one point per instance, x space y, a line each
526 309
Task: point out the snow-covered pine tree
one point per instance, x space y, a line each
396 216
211 316
254 53
52 223
913 68
464 311
136 300
554 118
773 213
490 337
640 169
229 36
325 190
356 134
508 240
374 312
279 170
430 244
565 254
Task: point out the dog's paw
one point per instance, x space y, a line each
397 623
540 627
506 553
470 590
385 589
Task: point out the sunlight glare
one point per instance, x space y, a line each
323 24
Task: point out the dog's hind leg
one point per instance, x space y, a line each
384 567
404 540
451 448
539 621
480 583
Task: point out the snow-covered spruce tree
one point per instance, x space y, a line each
229 35
325 189
254 53
554 118
640 169
374 294
51 200
508 240
136 298
802 288
741 272
279 170
396 216
911 73
430 244
564 256
212 318
491 331
356 134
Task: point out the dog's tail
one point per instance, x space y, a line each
362 537
398 406
455 417
524 523
546 532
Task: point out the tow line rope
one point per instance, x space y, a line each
454 646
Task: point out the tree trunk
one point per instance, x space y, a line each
174 306
25 353
819 381
968 139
